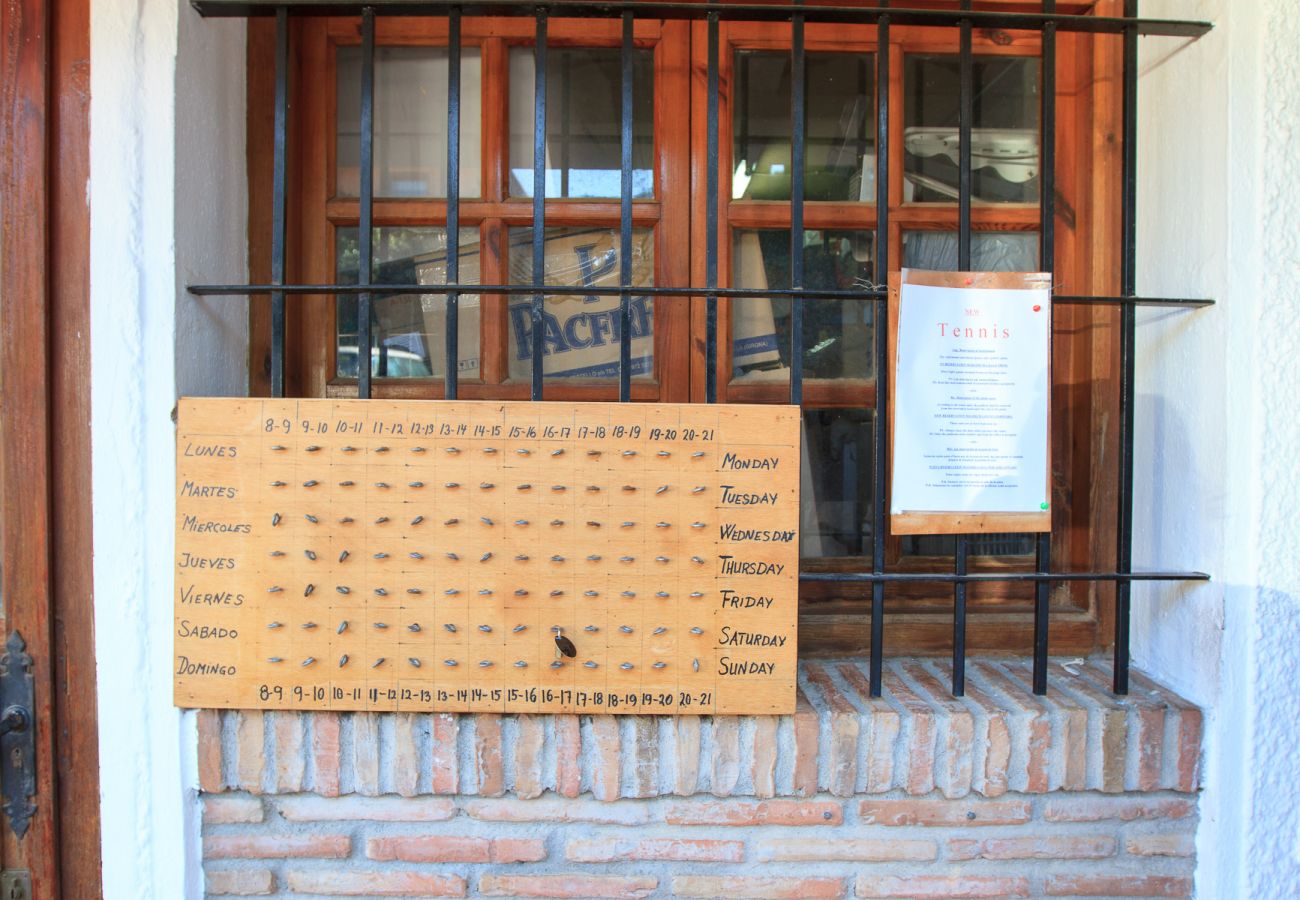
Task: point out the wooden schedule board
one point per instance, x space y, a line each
424 555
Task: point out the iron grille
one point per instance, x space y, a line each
965 19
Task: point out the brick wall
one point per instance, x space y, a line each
915 794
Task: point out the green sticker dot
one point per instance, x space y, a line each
1044 505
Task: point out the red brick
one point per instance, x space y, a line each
930 887
1175 844
992 776
1083 846
225 810
755 887
513 850
762 770
686 751
374 883
557 811
240 882
615 887
885 726
954 764
1117 886
726 755
1188 761
845 730
309 808
445 771
806 735
1102 707
290 762
568 755
845 850
449 848
670 849
528 757
277 846
406 754
208 722
919 777
605 758
489 767
645 756
764 812
1125 809
944 812
1072 736
325 753
1187 751
251 757
365 753
1146 714
1032 711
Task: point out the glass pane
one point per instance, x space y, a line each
835 514
410 148
990 252
581 333
1004 130
584 109
840 135
408 331
837 334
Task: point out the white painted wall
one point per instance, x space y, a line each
1217 479
154 125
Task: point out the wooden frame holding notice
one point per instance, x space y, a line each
984 514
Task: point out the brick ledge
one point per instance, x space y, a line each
916 739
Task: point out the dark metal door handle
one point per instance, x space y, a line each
15 719
17 734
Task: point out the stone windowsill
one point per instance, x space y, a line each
917 738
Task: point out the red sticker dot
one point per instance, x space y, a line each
1037 307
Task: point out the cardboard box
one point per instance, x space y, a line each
581 332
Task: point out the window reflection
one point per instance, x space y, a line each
839 142
835 510
408 331
837 334
582 333
584 109
410 127
1004 129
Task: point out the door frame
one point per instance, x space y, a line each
45 535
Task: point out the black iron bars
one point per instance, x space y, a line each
797 128
539 202
965 113
278 218
774 12
1046 262
880 274
451 337
1127 339
711 219
364 231
625 223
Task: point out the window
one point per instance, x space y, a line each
838 252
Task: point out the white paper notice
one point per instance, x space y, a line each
970 416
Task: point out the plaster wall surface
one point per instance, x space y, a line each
1217 483
166 196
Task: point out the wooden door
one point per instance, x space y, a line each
49 831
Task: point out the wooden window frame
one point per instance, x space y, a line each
834 617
